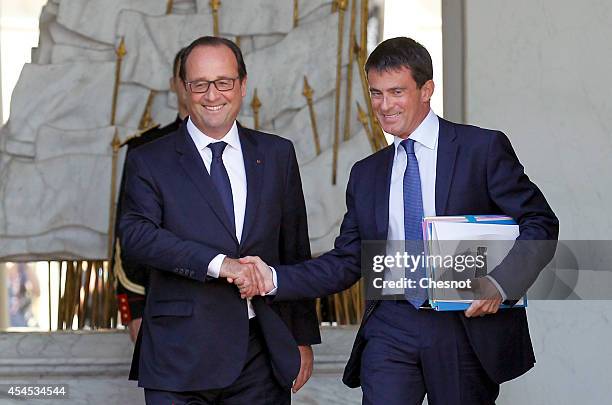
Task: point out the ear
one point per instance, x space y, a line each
427 91
243 87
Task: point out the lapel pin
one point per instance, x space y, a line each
258 161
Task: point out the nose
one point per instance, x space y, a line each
385 104
212 93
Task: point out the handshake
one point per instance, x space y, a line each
250 274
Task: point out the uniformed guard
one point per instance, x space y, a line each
133 278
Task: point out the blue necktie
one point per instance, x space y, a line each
413 216
221 180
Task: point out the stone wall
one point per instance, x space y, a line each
539 71
55 150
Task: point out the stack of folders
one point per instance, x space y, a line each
449 240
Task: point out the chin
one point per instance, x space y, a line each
388 128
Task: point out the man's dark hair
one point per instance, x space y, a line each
214 41
395 53
176 65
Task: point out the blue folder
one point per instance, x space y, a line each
459 305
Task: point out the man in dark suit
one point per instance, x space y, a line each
197 200
133 278
404 349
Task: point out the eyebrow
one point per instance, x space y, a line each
218 78
389 89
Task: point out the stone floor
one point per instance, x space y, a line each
324 389
325 386
94 367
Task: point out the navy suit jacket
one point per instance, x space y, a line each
477 173
195 329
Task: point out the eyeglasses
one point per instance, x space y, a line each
202 86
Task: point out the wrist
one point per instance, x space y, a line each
225 270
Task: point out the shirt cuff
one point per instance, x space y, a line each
214 267
496 284
273 291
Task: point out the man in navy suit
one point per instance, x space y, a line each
195 201
404 349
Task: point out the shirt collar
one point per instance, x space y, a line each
426 133
202 140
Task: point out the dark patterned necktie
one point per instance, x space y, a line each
413 217
221 180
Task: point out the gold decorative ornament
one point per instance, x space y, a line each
255 106
146 121
377 134
115 144
214 6
363 118
341 9
349 72
365 15
120 52
308 93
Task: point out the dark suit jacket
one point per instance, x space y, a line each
195 328
477 173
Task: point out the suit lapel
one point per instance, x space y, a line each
254 168
192 164
383 184
445 166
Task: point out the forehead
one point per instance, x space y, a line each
390 78
211 62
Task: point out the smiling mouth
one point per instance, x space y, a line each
213 107
391 115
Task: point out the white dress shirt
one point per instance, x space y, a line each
426 151
234 164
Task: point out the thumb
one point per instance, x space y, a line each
246 259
